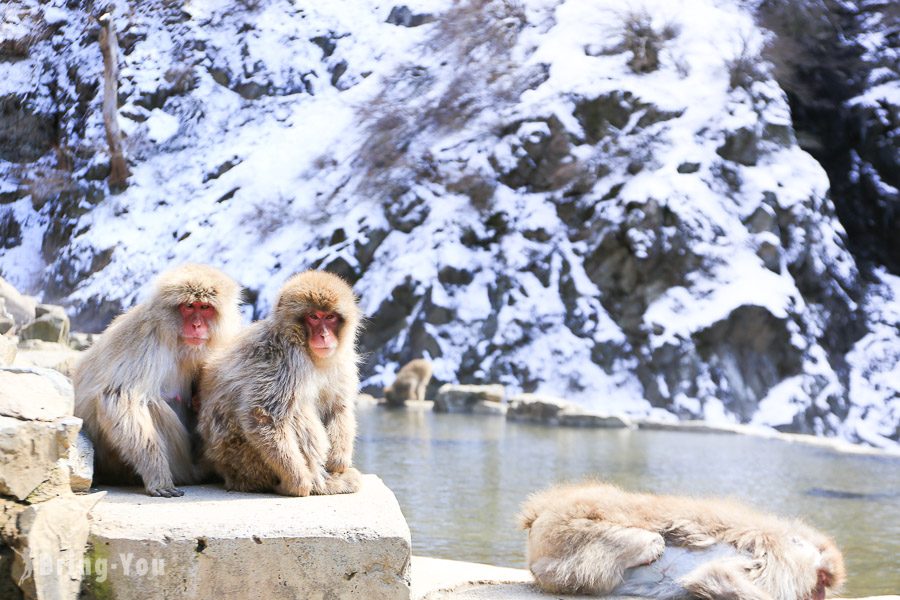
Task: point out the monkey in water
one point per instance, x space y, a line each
594 538
134 387
277 405
410 383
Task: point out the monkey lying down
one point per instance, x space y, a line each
595 538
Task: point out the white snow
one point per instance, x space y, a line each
301 171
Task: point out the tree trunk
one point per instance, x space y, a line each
109 47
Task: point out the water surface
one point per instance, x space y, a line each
461 478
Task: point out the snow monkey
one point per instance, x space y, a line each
595 538
134 387
276 408
410 383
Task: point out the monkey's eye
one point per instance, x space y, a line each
331 318
313 317
205 307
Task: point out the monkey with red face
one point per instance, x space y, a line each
277 405
134 387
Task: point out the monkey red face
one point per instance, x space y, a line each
321 330
196 317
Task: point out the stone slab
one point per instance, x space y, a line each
215 544
440 579
432 576
35 394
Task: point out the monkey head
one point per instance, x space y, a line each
318 311
194 297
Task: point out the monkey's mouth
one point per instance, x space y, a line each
195 341
322 351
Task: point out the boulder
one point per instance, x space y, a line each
47 355
547 410
21 307
34 457
578 418
81 341
50 545
215 544
535 408
51 324
35 394
465 398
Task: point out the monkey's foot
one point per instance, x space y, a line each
333 465
347 482
301 488
165 492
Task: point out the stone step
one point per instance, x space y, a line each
441 579
215 544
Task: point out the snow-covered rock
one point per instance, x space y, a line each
568 197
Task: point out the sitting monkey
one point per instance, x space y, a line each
410 383
276 411
134 386
594 538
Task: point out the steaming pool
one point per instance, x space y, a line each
461 478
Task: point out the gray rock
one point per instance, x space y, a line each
34 457
535 408
547 410
463 398
769 251
49 557
577 418
763 219
487 407
21 307
35 394
741 146
215 544
81 463
404 17
51 325
81 341
48 355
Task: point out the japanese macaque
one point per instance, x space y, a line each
134 387
594 538
277 405
410 383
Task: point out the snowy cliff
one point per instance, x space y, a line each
602 202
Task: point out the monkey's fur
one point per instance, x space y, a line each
583 537
410 383
133 387
273 416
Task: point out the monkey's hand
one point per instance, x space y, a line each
165 491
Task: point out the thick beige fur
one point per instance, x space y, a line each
274 417
583 537
410 382
133 387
